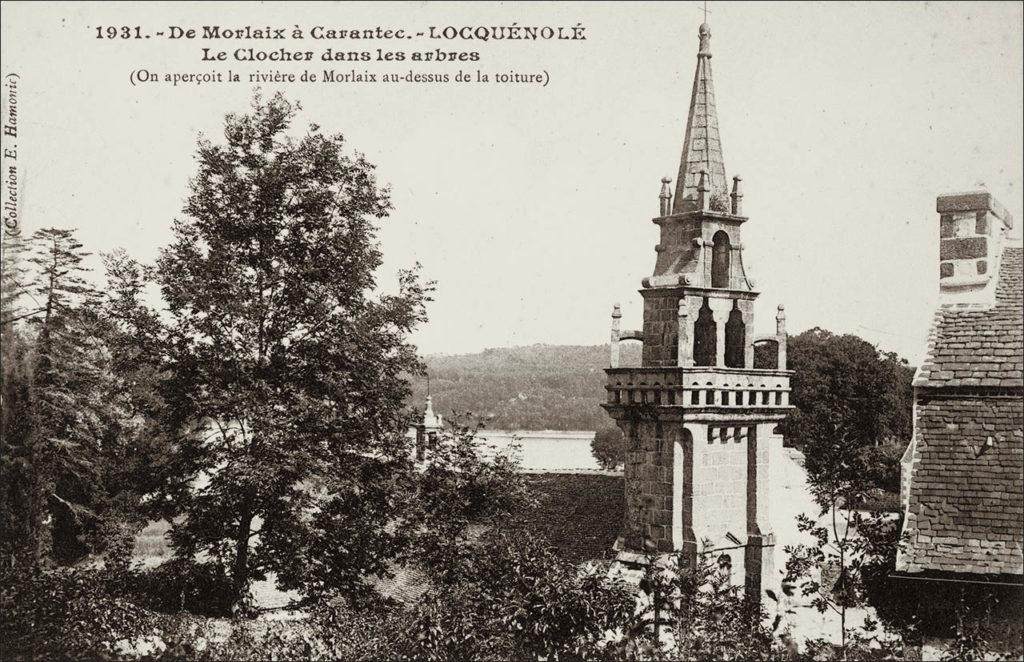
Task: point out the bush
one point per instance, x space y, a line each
181 585
883 465
609 448
515 599
74 613
333 631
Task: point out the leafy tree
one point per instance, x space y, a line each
839 569
71 435
848 380
16 488
845 383
287 377
517 600
692 611
609 448
462 487
136 450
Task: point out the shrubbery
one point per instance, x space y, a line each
609 448
180 585
515 599
76 613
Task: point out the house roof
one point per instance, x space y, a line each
965 497
972 346
965 512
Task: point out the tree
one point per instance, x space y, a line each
609 448
66 402
840 567
287 377
692 611
516 599
136 450
458 489
845 383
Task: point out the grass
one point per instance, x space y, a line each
151 545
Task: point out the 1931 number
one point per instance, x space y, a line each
122 32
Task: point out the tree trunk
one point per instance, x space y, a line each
240 568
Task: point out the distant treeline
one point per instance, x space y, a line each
537 387
561 387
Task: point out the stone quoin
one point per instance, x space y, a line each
698 415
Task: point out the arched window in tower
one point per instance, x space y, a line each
735 338
720 257
704 340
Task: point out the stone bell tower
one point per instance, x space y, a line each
698 416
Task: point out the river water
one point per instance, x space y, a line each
547 450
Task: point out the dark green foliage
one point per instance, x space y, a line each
883 465
181 585
692 612
609 448
540 387
73 613
333 631
286 389
18 526
516 600
457 492
69 419
843 382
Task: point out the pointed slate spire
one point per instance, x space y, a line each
703 148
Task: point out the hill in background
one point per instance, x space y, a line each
537 387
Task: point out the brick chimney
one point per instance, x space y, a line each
972 227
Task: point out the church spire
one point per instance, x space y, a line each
702 149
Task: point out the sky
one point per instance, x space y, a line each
530 205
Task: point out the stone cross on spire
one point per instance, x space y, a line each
702 149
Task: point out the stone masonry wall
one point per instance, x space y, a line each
965 508
720 485
661 326
648 479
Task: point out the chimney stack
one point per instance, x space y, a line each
972 227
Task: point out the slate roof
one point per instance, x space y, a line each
965 495
972 346
965 512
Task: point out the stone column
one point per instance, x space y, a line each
737 196
721 318
703 261
665 199
683 537
759 559
684 336
735 260
614 340
748 340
